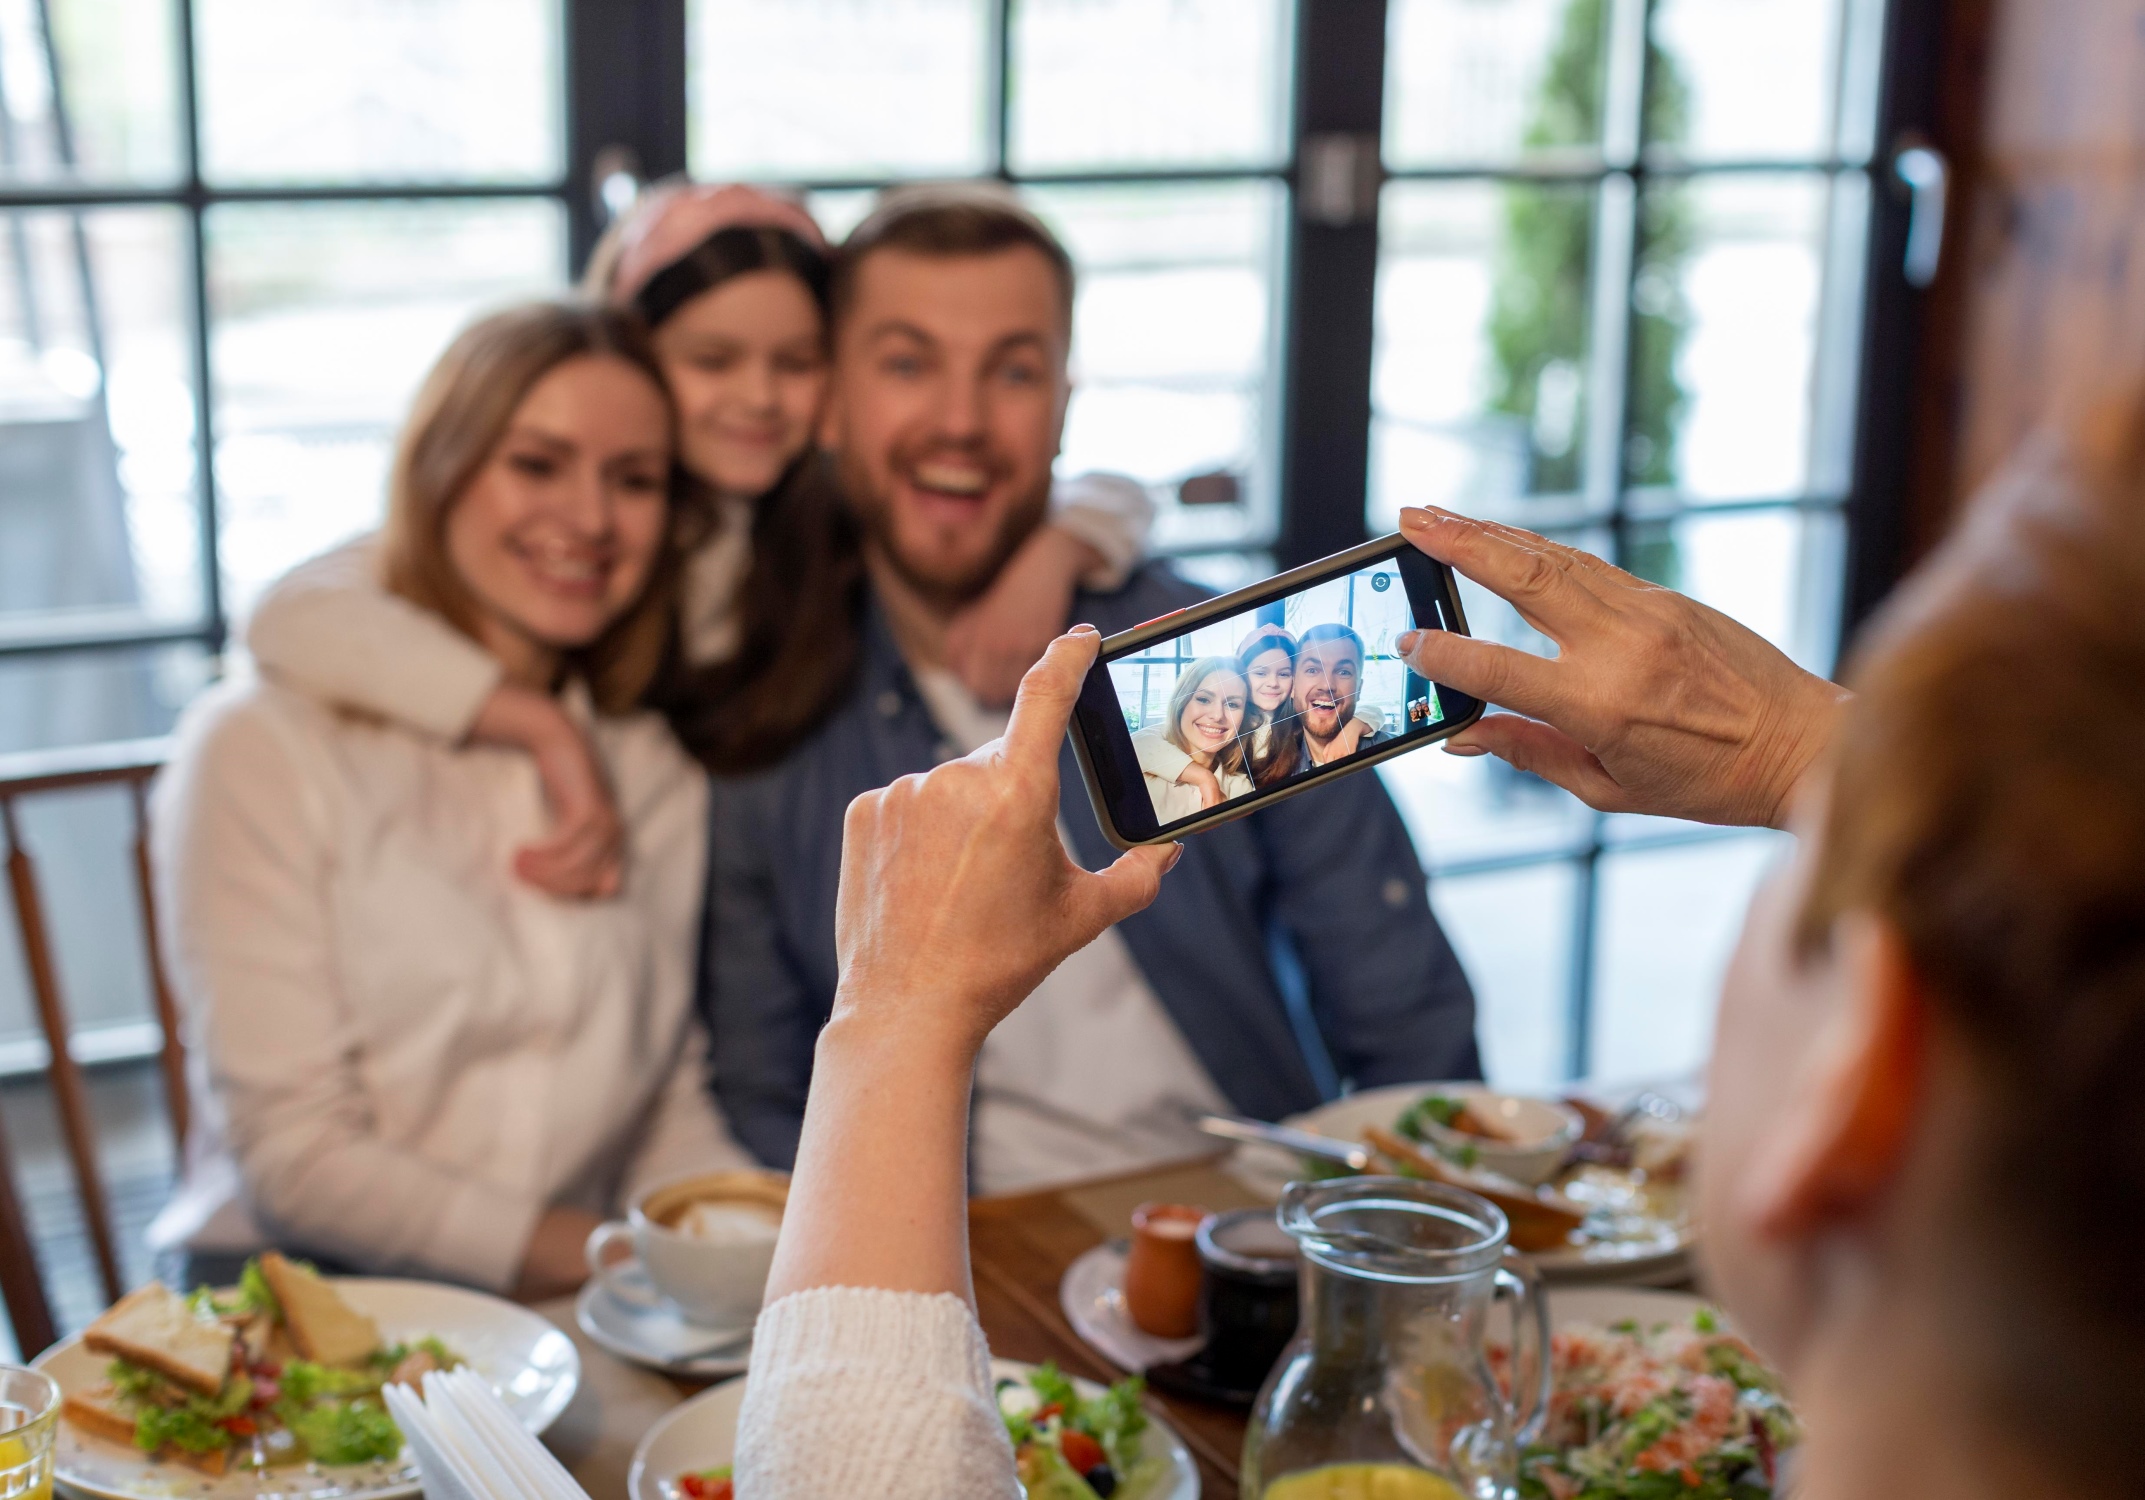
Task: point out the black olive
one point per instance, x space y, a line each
1102 1479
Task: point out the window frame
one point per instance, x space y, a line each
624 81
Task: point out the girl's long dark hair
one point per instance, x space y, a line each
1284 739
800 616
799 609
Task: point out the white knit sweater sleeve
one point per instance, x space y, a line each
331 629
862 1391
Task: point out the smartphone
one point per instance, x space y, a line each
1222 708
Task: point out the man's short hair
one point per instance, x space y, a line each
1332 631
948 219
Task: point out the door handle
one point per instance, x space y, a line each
1926 176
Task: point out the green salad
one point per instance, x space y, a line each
1672 1412
1073 1447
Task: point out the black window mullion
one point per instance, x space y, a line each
197 289
1330 277
625 88
998 96
1620 243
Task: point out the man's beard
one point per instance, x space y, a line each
1344 709
945 587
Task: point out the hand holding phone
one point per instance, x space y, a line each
1216 710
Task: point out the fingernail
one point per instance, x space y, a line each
1176 852
1407 641
1083 628
1414 518
1461 747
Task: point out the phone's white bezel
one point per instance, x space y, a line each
1176 622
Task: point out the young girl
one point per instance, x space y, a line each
407 1062
1273 739
732 281
1273 736
1196 759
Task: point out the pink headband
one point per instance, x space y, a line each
668 223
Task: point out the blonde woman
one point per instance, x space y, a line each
407 1060
1195 760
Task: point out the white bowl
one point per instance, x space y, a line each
1544 1132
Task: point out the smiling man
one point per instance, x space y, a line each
1269 970
1329 681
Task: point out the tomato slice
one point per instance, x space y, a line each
239 1426
1081 1451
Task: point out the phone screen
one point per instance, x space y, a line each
1251 703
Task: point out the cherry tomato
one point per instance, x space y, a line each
239 1426
1081 1451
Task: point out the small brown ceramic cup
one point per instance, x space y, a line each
1162 1273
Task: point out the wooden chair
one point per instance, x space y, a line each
131 764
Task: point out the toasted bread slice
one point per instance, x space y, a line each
98 1412
326 1329
153 1326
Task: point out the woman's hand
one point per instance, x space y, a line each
1204 782
957 898
584 855
1351 736
992 642
555 1261
1653 704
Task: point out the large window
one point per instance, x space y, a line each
1619 249
1620 291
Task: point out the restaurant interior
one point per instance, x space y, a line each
1745 297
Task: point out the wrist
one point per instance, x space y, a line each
1804 740
890 1030
519 716
1075 553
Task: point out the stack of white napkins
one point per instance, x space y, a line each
468 1446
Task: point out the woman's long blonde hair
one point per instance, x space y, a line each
459 418
1230 758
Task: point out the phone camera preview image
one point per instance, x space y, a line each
1257 700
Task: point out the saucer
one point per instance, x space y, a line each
1092 1294
659 1337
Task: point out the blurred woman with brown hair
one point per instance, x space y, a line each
405 1060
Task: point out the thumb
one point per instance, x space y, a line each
1130 885
1530 745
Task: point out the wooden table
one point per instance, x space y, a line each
1021 1247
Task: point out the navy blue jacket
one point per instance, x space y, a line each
1322 894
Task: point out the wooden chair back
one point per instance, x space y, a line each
132 765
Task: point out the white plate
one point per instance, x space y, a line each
1598 1306
656 1339
1656 1252
702 1434
532 1365
1092 1294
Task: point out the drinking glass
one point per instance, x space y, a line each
29 1412
1387 1388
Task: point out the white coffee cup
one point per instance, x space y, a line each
705 1243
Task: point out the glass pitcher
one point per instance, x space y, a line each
1387 1389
